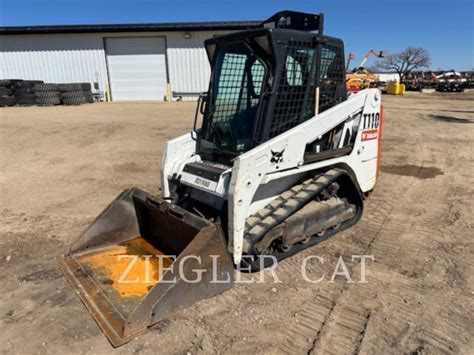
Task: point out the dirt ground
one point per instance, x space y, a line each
61 166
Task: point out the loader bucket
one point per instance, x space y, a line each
143 258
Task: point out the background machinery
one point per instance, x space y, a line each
282 161
360 77
451 81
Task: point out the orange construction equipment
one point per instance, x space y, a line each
360 77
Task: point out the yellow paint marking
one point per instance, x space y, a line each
131 268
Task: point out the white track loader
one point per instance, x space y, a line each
282 160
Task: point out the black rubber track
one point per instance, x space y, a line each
253 263
69 87
72 94
48 101
4 91
21 90
89 97
46 87
86 86
7 101
9 82
48 94
75 87
25 96
27 83
74 101
26 102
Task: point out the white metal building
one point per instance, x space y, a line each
136 62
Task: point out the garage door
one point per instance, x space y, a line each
137 68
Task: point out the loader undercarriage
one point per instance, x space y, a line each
301 217
309 212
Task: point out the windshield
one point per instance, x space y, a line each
237 80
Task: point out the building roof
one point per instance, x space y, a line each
140 27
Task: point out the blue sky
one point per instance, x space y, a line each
445 28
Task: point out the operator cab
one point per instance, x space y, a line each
266 81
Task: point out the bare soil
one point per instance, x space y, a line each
60 166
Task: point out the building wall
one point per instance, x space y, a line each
388 76
188 65
60 58
55 58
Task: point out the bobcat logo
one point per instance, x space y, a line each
277 157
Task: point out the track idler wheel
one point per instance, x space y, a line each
285 248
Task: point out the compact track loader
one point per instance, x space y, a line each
282 160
